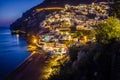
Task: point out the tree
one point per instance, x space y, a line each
116 8
73 52
106 32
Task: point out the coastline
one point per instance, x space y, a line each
10 75
32 64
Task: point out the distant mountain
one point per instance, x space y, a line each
30 20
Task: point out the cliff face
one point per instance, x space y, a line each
30 20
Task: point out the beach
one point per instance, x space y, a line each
30 69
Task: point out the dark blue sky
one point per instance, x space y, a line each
10 10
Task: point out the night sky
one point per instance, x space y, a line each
10 10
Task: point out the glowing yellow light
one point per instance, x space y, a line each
31 48
34 40
85 38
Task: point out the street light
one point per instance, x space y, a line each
35 41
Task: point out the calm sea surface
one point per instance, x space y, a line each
13 51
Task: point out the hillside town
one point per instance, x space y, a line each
59 30
69 40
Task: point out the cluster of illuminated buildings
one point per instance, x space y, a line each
58 27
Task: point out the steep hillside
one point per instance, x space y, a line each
30 20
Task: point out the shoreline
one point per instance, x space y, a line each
18 67
28 67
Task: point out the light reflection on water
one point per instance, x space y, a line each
13 51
